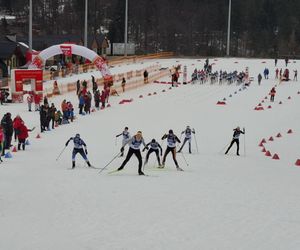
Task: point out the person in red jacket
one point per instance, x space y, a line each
23 135
37 100
16 125
272 94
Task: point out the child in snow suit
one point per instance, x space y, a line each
154 147
171 147
235 139
188 137
134 148
23 135
78 148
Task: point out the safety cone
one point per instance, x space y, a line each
108 105
170 88
224 99
163 90
230 95
101 108
289 97
141 96
93 110
271 139
263 140
266 97
14 149
149 94
263 150
268 153
290 131
269 107
154 93
261 144
297 163
262 101
280 102
278 135
259 105
38 136
298 92
275 157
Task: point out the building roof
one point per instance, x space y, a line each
7 48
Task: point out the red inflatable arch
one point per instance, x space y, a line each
35 72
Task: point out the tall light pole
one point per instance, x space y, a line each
30 26
126 27
228 29
86 24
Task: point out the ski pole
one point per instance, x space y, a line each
196 144
223 149
184 158
61 153
110 162
116 141
244 142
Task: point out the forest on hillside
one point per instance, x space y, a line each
186 27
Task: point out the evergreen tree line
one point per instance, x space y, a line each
186 27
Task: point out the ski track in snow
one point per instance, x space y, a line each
218 202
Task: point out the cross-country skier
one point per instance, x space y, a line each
171 147
235 139
188 137
78 148
134 148
154 147
126 137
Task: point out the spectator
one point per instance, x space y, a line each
37 100
81 103
97 98
22 136
123 84
272 94
259 78
8 129
52 111
17 122
29 101
58 118
146 76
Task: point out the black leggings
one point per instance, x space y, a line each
237 144
137 153
21 142
151 150
168 150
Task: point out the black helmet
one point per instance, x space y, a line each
77 135
126 128
153 140
170 131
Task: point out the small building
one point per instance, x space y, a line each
12 55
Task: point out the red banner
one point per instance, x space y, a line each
66 50
21 75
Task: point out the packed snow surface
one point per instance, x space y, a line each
219 202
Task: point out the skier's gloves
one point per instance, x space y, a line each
122 149
66 144
86 152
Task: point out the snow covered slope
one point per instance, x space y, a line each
218 202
